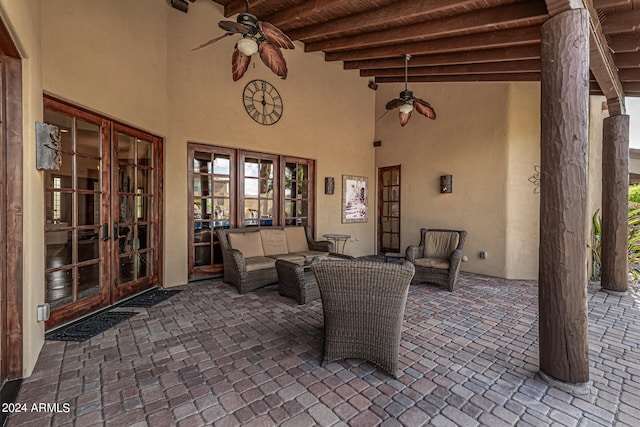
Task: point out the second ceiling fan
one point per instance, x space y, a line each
257 37
407 102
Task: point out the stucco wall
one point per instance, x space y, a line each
594 185
523 204
467 140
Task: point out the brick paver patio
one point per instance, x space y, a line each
209 356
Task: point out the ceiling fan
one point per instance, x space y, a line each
407 102
257 36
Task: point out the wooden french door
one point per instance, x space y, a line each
211 206
102 228
389 209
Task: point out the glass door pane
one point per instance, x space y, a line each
75 257
259 181
212 176
135 211
298 191
389 209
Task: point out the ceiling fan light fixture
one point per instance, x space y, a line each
247 45
406 108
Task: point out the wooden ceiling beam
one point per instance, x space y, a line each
632 86
627 60
625 42
526 66
488 40
399 11
517 77
240 6
603 4
523 13
629 75
290 16
516 53
622 22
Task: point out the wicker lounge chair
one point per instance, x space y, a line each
437 258
363 304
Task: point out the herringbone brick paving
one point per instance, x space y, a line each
209 356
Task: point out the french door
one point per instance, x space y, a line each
102 228
229 188
389 209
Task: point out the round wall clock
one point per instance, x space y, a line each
262 102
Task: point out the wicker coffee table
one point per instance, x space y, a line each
298 281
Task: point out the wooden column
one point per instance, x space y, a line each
562 291
615 194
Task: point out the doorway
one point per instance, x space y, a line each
389 209
102 228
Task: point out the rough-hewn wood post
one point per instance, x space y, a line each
562 292
615 199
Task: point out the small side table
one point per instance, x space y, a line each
393 257
336 239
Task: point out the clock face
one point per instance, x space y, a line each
262 102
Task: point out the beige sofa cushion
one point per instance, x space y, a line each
288 257
249 243
274 242
440 244
311 254
433 263
296 239
259 263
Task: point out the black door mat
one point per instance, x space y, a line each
149 298
89 327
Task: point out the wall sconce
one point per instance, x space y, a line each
329 185
446 184
181 5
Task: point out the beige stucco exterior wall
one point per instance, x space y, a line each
328 116
523 205
22 18
467 140
594 185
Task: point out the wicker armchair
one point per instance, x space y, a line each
437 258
363 304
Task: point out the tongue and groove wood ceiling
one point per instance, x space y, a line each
449 40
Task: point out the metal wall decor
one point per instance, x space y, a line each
535 179
446 184
329 185
48 146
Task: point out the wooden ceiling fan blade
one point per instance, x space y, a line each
233 27
272 58
404 118
394 103
239 63
424 108
275 35
212 41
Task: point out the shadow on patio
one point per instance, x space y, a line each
209 356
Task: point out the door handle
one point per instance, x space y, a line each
105 232
115 231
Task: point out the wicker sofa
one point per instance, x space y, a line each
250 254
437 258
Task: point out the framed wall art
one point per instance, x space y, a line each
354 199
